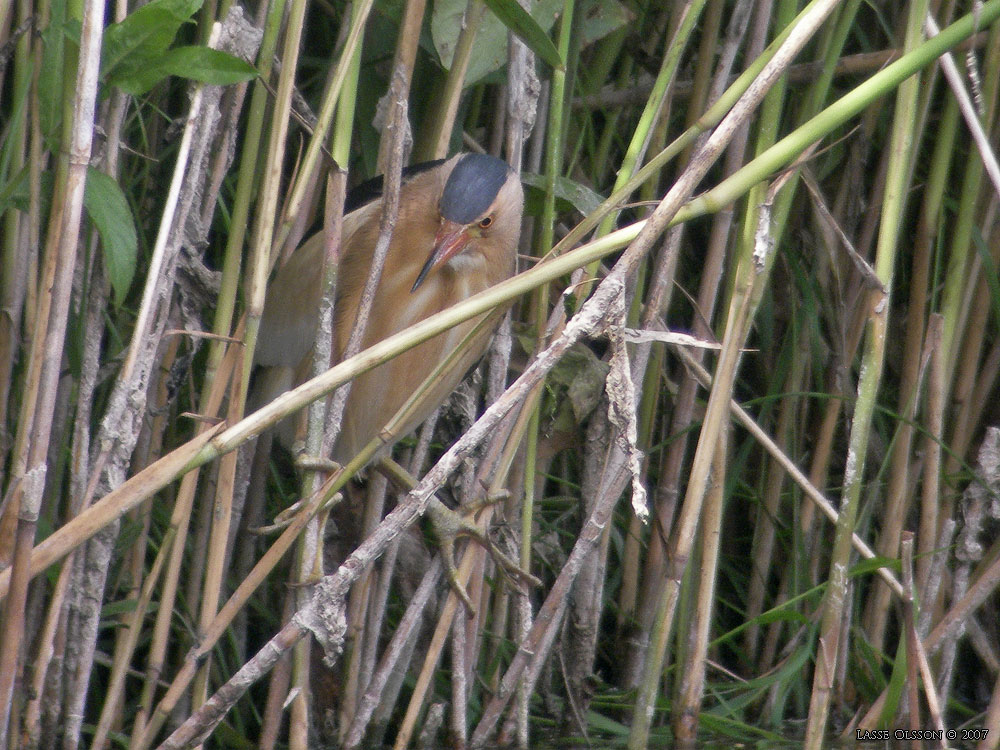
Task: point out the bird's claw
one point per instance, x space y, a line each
283 519
311 580
305 462
448 525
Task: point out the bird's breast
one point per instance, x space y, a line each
377 395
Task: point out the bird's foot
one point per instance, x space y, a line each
283 519
305 462
448 525
311 580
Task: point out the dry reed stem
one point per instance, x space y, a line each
392 656
710 285
225 615
911 703
179 524
31 455
831 318
692 683
991 722
394 145
876 614
969 111
434 650
869 380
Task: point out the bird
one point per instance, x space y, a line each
456 235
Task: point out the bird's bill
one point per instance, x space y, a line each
450 240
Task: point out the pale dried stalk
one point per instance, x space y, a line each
62 246
968 109
395 657
897 489
121 422
580 633
459 684
451 606
94 325
911 699
692 679
394 146
179 525
277 690
869 380
667 492
975 506
930 496
764 531
377 612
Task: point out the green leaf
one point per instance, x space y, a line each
871 565
211 66
598 18
518 20
143 37
196 63
117 609
990 275
15 192
578 196
60 38
894 692
108 209
489 50
606 724
780 615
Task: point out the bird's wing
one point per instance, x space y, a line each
289 321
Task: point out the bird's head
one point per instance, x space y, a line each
480 211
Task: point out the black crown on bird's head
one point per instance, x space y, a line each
472 187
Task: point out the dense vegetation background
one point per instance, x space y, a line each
785 531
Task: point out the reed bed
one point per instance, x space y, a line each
741 421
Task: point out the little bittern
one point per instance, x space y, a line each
456 235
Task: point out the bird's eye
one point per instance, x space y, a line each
485 222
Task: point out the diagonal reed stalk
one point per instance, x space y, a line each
858 360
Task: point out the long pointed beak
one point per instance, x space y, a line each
450 240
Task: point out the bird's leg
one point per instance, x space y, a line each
285 518
303 463
315 463
448 525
